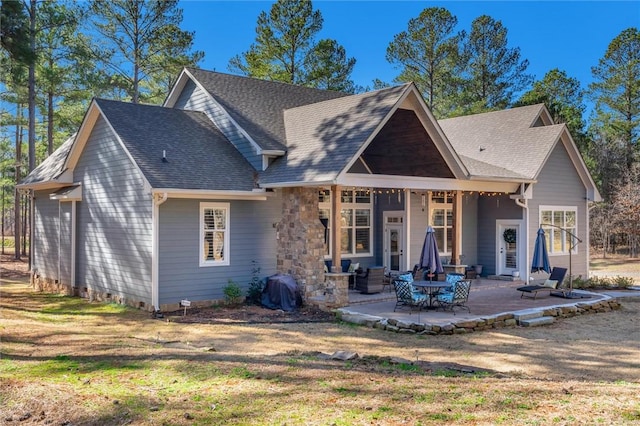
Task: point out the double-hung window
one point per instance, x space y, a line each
559 223
214 234
441 209
355 220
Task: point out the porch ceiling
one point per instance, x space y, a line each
404 148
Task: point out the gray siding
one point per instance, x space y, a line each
560 185
65 243
252 237
45 234
195 99
489 210
114 220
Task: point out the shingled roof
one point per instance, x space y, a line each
198 154
258 105
52 167
502 144
322 138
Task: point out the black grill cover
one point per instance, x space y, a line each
281 292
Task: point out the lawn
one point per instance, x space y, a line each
67 361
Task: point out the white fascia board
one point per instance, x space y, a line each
89 120
74 195
171 99
258 194
292 184
544 115
434 184
41 186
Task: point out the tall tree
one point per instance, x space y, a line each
616 90
285 49
494 71
564 99
14 31
329 68
428 54
142 36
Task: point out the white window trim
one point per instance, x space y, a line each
564 234
353 206
226 261
446 207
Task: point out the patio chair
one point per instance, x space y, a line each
406 296
456 298
550 284
371 281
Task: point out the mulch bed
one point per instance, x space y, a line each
250 314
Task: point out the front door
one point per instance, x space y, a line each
393 241
508 247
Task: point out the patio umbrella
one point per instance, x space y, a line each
540 255
430 256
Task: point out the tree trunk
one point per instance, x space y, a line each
2 213
32 88
50 124
16 206
25 207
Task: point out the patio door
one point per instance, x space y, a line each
508 243
394 241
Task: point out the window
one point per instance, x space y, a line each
441 211
553 221
214 234
355 219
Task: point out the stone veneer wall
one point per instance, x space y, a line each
300 241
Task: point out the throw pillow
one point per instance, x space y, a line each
326 269
354 267
408 277
550 283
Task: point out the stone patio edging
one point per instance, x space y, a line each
502 320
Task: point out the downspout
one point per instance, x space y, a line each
73 243
158 199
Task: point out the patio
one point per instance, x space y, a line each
489 301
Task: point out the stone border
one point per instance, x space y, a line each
502 320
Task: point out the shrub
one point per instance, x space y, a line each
233 293
602 282
254 293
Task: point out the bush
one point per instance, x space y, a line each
254 293
233 293
602 282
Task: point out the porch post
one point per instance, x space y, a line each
456 241
336 227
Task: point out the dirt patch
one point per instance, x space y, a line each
13 269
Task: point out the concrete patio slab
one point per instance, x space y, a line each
488 298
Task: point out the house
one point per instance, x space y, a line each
150 205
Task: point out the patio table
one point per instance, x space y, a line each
431 288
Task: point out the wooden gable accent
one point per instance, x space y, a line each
403 147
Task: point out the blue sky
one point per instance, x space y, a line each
571 36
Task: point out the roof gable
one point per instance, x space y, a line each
257 106
178 148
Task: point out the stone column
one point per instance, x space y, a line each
300 241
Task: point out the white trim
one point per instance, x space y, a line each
521 261
157 200
566 242
205 194
430 183
177 88
353 206
74 195
386 214
226 261
74 205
